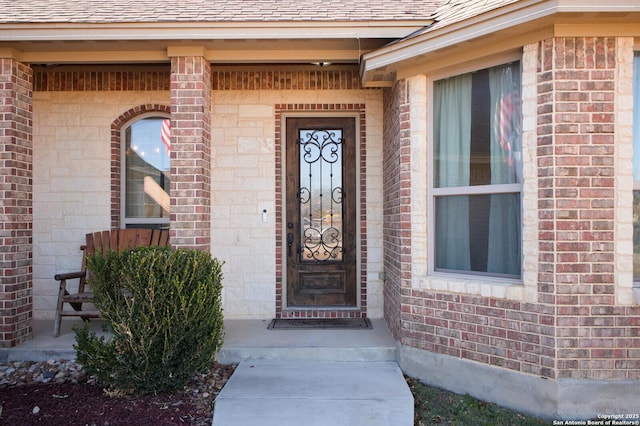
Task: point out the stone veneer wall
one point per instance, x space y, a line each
77 185
16 208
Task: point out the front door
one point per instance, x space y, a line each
321 212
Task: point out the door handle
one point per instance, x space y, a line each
289 243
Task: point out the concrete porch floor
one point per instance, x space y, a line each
244 340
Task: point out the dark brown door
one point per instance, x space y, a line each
321 212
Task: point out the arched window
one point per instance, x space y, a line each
145 172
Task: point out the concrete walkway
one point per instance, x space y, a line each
312 377
276 393
284 377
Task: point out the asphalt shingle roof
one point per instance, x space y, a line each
452 11
458 10
150 11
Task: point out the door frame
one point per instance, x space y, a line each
283 311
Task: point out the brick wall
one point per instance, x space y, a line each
572 325
107 79
396 205
16 211
596 338
510 334
234 78
286 79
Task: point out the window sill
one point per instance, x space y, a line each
499 288
636 295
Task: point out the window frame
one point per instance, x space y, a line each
163 222
470 190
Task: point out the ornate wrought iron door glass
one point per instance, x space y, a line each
320 195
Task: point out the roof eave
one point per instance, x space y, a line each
136 31
386 60
221 42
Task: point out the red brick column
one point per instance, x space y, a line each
190 152
576 150
16 214
397 206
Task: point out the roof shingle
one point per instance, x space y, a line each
150 11
458 10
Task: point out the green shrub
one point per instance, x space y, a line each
165 313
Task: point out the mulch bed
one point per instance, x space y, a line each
81 404
85 404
